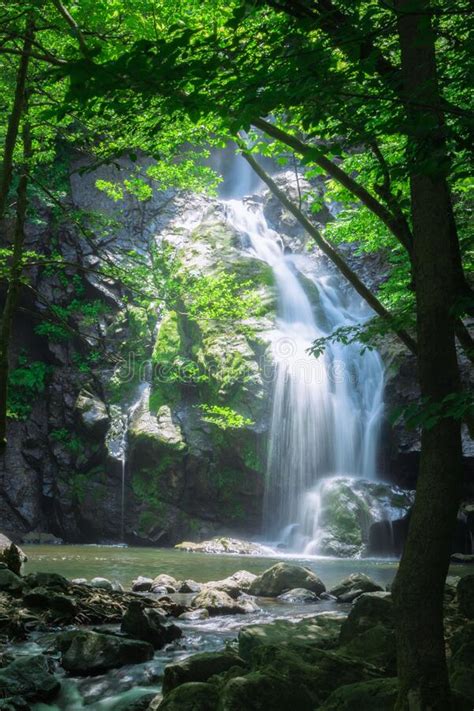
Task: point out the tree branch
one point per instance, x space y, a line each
329 251
390 221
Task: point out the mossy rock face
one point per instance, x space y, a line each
260 691
376 695
321 631
465 594
194 696
199 668
369 610
349 507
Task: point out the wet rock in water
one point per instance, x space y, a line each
465 595
46 599
368 610
147 624
225 545
199 614
283 577
142 584
101 583
234 585
79 581
261 690
353 586
217 602
10 582
164 584
195 696
199 667
190 586
320 631
47 580
29 677
92 414
297 595
88 653
11 555
375 695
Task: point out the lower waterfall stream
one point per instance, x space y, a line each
326 411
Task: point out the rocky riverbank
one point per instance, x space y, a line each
289 642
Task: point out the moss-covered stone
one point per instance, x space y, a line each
375 695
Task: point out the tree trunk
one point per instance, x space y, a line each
419 584
14 119
14 280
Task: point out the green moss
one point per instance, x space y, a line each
168 342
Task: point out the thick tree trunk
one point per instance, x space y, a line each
14 119
14 280
419 584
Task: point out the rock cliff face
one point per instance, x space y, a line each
150 426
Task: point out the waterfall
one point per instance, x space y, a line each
326 411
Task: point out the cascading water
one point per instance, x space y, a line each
326 411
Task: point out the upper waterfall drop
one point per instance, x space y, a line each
326 411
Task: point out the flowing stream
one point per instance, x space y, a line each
326 411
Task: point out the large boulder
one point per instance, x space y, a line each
147 624
164 583
11 554
369 610
321 631
30 677
465 594
283 577
53 581
92 414
234 585
199 667
353 586
195 696
10 582
87 653
348 509
45 599
217 602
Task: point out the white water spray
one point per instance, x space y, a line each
326 411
